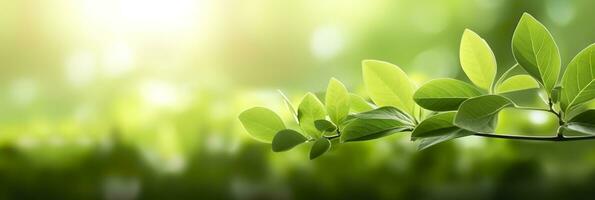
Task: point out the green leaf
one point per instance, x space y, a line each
359 104
531 98
388 85
516 69
320 147
337 101
583 123
376 123
578 82
516 83
477 60
286 139
324 125
479 114
261 123
534 49
444 94
289 105
438 125
310 110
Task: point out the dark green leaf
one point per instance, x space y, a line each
286 139
436 129
320 147
324 125
480 114
444 94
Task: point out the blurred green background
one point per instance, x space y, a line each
138 99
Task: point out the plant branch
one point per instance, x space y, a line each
536 138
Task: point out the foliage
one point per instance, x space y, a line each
443 109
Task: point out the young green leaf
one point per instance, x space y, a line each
337 101
376 123
359 104
479 114
320 147
477 60
578 82
310 110
444 94
516 83
534 49
286 139
516 69
438 125
388 85
289 105
324 126
261 123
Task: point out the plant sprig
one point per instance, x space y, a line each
443 109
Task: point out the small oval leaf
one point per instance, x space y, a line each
444 94
516 83
388 85
310 110
320 147
261 123
477 60
324 125
286 139
337 101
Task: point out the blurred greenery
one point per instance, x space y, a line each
133 99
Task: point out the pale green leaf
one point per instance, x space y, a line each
536 51
321 146
286 139
516 83
388 85
310 110
532 98
337 101
289 105
444 94
359 104
477 60
261 123
480 114
578 82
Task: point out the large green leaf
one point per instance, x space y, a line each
376 123
444 94
261 123
578 82
359 104
534 49
388 85
286 139
310 110
477 60
337 101
516 83
320 147
480 114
